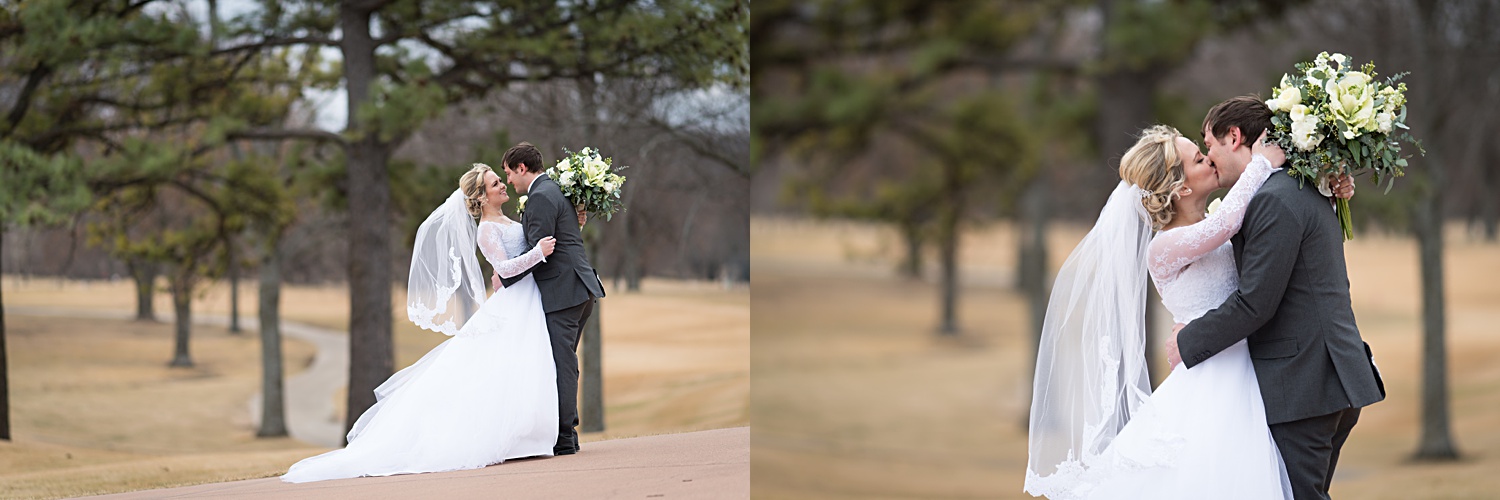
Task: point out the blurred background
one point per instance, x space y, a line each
177 173
921 170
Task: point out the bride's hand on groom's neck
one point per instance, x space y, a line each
1272 152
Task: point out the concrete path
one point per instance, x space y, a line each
310 410
699 465
310 407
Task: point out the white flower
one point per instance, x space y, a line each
1287 97
1393 99
1352 100
1306 140
1213 205
1383 122
1305 135
566 179
609 186
1320 65
1339 58
1297 112
521 204
595 170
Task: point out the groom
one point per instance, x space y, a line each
567 283
1292 305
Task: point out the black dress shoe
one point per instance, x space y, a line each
564 451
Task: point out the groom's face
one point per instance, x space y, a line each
1228 154
516 177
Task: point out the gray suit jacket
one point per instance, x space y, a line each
1293 306
566 279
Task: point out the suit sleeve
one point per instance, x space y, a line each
540 221
1272 239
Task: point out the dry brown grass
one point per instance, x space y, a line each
855 397
96 410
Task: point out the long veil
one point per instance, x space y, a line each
1091 365
445 288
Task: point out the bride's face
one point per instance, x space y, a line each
1201 175
494 189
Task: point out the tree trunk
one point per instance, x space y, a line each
591 404
4 368
1489 213
234 286
273 402
683 237
1437 438
591 407
633 269
182 297
144 273
630 248
948 251
1127 98
1033 273
911 237
371 355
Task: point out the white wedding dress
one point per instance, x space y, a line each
486 395
1202 433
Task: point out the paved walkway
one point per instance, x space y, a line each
699 465
310 410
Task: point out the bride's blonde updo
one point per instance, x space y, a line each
1153 164
472 185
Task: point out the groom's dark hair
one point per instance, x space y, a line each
1245 112
523 154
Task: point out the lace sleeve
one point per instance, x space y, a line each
493 246
490 243
517 266
1175 249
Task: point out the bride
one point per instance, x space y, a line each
486 395
1097 431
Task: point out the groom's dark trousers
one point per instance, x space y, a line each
1292 308
564 327
1310 448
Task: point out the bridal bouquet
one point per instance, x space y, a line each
589 181
1332 119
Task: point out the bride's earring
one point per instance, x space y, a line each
1188 191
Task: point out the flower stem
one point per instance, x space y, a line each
1346 221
